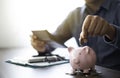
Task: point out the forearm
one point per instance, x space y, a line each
66 29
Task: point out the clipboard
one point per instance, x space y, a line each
38 62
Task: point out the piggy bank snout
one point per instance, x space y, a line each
70 49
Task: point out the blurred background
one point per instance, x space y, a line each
19 17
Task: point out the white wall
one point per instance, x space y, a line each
19 17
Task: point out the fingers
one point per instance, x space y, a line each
103 30
98 28
33 37
86 25
92 25
83 38
84 33
37 44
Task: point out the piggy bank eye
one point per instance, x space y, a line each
79 53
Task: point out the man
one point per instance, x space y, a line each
97 24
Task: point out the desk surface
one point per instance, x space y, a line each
8 70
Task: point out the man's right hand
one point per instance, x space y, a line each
37 44
94 25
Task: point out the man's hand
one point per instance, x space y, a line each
37 44
96 26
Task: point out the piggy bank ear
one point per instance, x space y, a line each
87 50
70 49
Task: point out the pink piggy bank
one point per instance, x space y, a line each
82 59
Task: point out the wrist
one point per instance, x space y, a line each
111 32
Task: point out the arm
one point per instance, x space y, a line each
62 33
66 28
